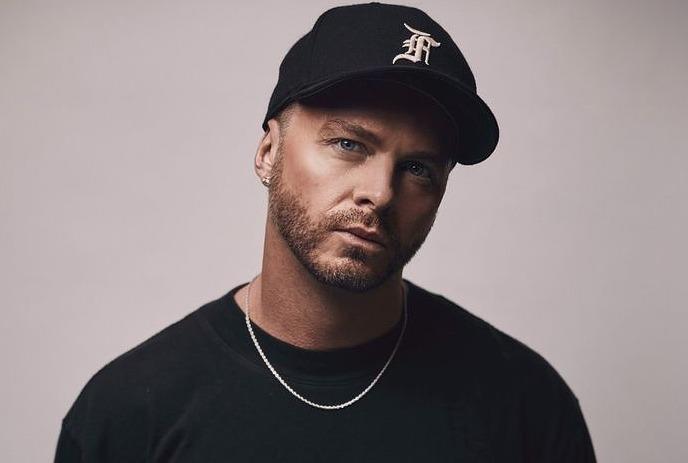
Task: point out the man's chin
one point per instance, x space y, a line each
349 274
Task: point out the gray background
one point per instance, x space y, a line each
127 132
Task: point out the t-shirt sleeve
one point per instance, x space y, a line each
68 450
556 428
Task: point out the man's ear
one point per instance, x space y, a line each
266 154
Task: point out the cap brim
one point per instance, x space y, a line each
477 127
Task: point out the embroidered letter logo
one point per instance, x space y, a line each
418 43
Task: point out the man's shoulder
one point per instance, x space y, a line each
126 383
154 354
509 378
454 324
490 353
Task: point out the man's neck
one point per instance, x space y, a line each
290 304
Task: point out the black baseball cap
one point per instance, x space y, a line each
394 42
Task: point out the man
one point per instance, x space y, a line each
329 354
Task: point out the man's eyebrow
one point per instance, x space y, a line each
349 127
439 159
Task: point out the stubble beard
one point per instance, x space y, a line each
354 272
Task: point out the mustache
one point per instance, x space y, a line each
349 217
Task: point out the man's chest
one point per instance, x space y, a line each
261 421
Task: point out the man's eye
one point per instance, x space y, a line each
348 145
418 169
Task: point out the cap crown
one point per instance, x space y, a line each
366 36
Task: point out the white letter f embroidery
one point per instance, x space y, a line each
418 43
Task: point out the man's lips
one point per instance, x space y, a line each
368 234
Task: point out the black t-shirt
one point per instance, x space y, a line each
457 390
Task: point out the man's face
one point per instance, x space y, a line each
366 156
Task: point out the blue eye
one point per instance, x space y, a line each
346 144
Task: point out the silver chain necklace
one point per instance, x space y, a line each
299 396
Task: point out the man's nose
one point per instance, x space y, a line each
374 182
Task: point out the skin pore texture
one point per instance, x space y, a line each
365 153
